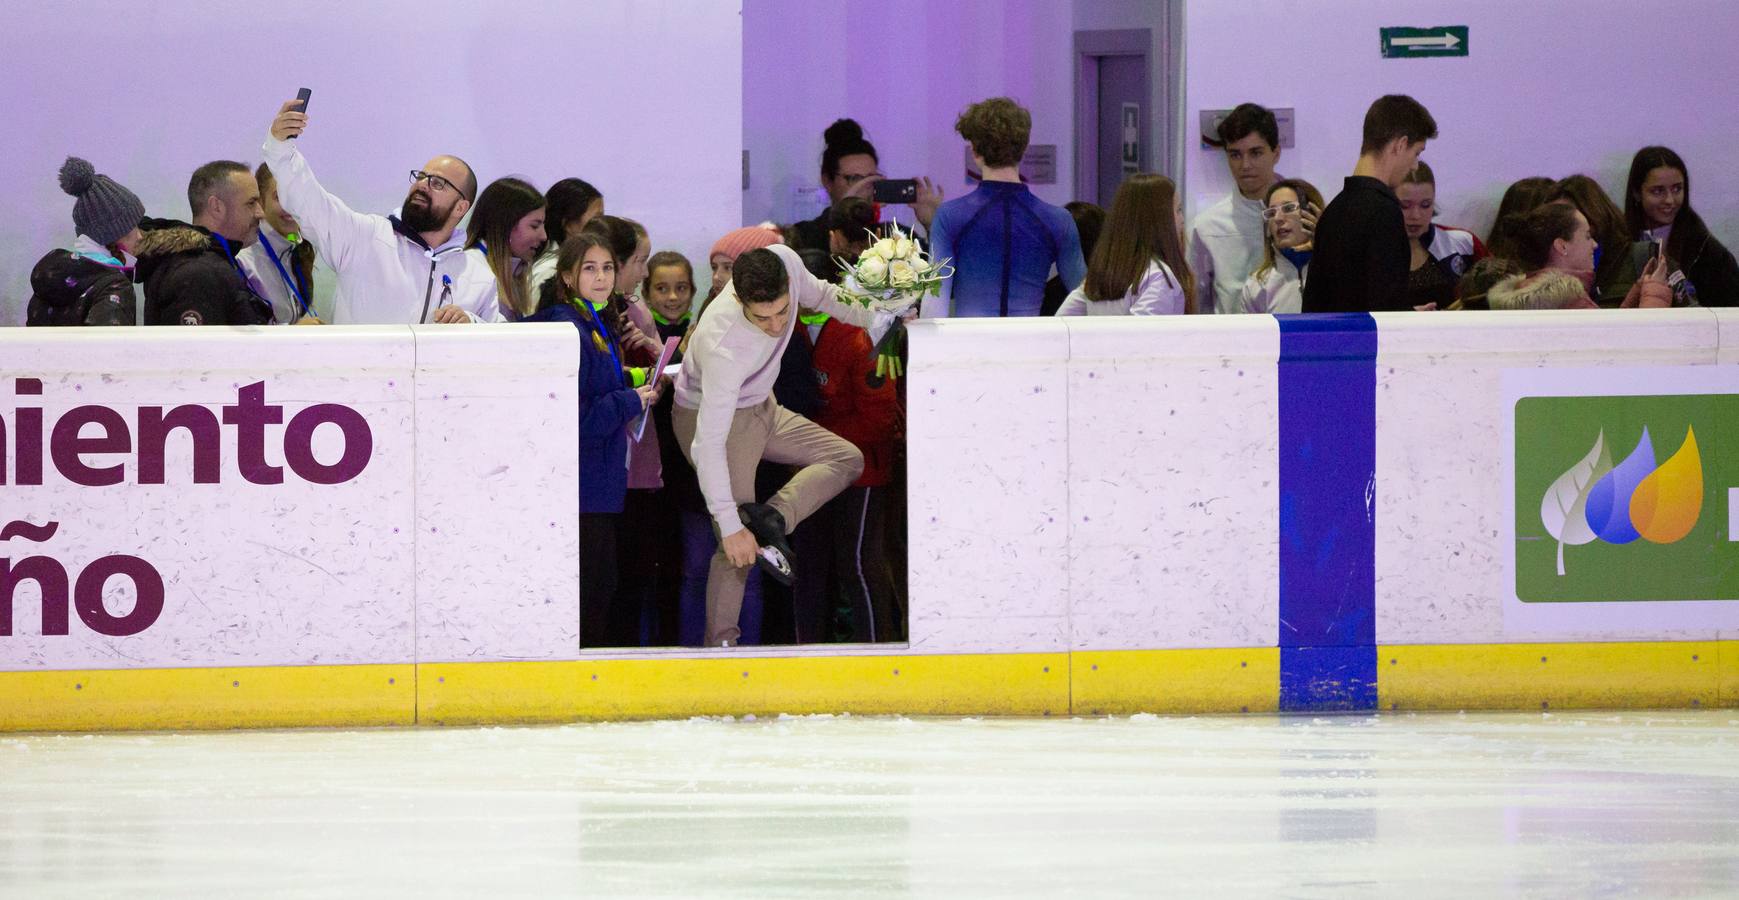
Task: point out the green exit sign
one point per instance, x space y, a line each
1412 43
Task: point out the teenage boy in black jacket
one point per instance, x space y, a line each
1362 256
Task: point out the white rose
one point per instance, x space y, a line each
885 249
901 275
872 272
902 248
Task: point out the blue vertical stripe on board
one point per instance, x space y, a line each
1328 452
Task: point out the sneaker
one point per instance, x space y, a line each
768 527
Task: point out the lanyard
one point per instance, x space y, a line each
599 326
230 255
282 272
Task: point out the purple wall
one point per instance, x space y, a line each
642 97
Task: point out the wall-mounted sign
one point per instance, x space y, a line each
1211 119
1039 166
1131 138
1412 43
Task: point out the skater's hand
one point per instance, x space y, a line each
740 549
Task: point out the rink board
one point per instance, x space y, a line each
1214 515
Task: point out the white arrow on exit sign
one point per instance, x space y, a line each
1442 41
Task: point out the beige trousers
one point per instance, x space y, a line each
768 432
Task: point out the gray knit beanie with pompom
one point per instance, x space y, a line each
104 212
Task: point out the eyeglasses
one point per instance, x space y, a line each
1274 212
436 182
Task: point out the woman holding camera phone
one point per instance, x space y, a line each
1277 285
1657 209
851 168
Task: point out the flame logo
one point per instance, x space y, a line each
1636 499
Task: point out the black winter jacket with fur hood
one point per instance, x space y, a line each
191 280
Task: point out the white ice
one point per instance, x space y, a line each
1553 805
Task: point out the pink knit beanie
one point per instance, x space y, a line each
741 241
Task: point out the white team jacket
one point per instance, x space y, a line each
1225 248
386 274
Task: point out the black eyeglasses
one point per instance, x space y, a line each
436 182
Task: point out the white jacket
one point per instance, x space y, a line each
1279 290
270 282
386 275
1156 294
1225 248
543 269
1456 249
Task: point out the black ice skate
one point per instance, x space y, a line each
774 556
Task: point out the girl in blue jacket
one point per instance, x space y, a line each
579 295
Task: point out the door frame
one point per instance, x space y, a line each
1090 47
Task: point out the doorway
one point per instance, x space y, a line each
1115 111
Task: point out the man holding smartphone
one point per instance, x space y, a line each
407 268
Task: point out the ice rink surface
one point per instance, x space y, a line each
1551 805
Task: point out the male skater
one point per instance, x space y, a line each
727 422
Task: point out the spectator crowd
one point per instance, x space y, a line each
756 495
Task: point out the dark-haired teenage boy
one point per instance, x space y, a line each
728 421
1225 243
1362 257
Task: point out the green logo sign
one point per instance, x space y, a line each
1407 43
1626 498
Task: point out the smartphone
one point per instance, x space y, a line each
895 191
303 96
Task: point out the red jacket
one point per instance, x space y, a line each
857 405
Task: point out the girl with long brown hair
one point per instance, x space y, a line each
507 229
1138 267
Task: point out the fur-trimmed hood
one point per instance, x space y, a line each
1545 289
163 237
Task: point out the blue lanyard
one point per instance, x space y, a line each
230 255
609 340
288 281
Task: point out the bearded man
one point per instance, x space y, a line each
406 268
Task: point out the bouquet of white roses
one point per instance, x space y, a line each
892 275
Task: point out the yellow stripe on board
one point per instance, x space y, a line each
1728 677
1121 682
248 697
1015 684
1665 674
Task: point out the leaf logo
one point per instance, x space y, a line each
1635 499
1564 508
